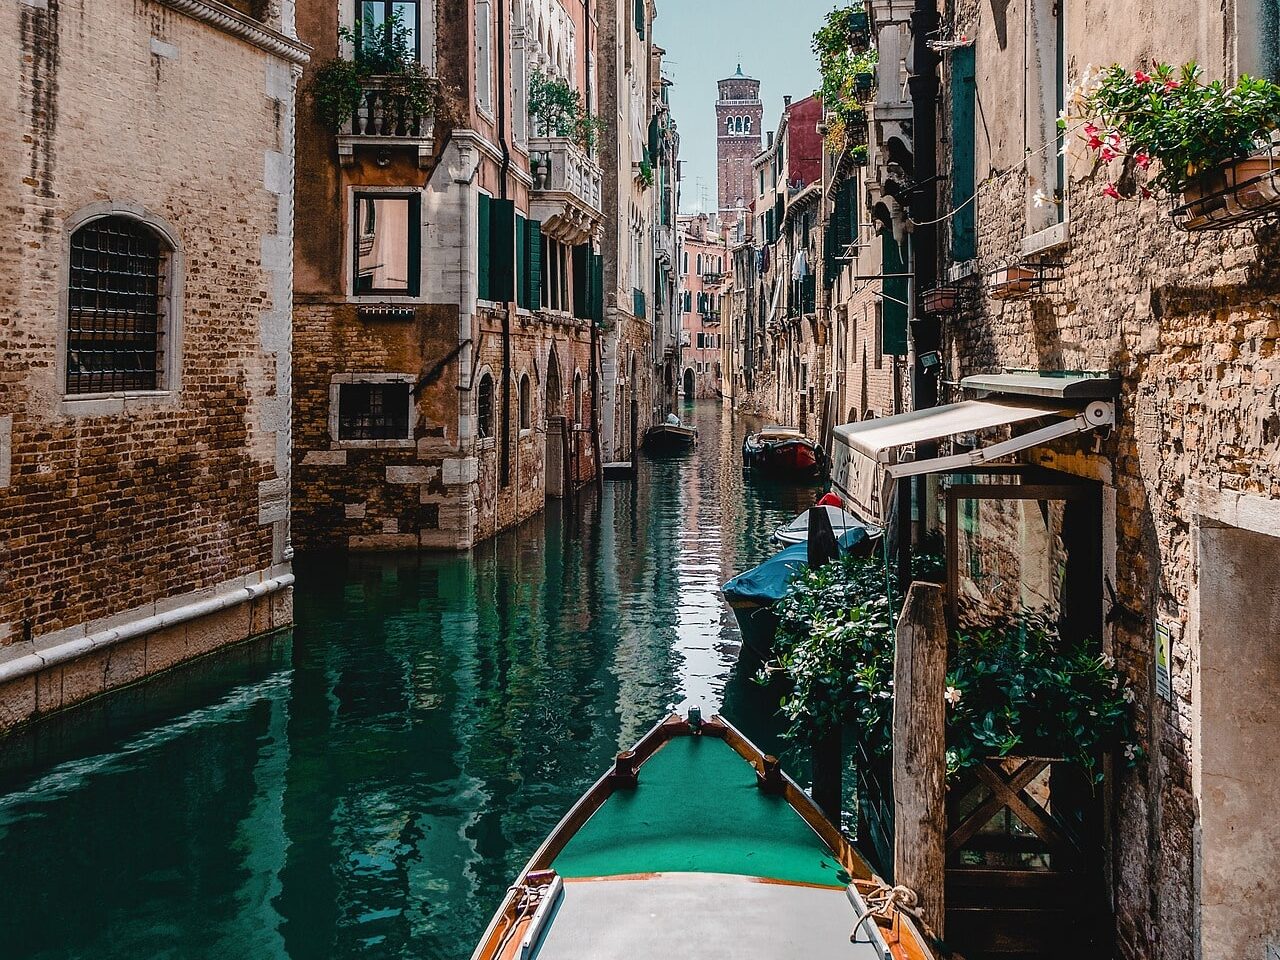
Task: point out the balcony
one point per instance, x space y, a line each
710 278
567 186
386 119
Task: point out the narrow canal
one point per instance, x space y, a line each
369 785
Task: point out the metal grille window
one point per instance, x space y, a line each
373 411
484 407
116 306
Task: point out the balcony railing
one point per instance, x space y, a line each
386 117
567 188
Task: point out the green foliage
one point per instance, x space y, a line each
384 51
645 176
843 57
1172 118
858 155
1011 689
558 111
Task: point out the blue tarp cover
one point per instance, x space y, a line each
767 583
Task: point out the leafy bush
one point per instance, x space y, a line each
558 111
1011 689
1171 118
381 50
843 56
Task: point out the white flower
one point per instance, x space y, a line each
952 696
1130 751
1093 713
1041 199
884 694
1114 682
1107 661
1129 695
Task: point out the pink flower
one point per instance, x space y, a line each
1143 160
1108 154
1094 143
1172 84
1146 194
1090 130
1110 191
1141 77
1114 141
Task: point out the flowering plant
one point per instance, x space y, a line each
1169 117
1016 688
845 61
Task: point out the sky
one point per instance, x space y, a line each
704 40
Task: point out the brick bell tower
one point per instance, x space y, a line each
739 117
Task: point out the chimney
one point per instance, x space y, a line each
769 144
786 102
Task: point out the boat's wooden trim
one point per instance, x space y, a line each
502 937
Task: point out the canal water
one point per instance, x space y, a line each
369 785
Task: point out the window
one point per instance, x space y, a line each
386 244
373 411
748 124
526 403
484 408
577 399
484 56
377 18
117 307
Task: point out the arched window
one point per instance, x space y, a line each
748 124
484 408
728 125
577 399
526 403
552 404
117 307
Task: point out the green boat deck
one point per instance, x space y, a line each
697 810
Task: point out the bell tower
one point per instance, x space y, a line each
739 117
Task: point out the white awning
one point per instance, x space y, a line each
868 456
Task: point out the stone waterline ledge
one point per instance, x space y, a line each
70 666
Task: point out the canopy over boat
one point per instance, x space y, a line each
696 844
766 584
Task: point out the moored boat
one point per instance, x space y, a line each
842 521
696 843
783 452
752 594
670 436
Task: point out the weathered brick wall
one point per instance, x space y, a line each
109 509
1191 322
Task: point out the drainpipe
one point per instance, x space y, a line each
504 467
926 332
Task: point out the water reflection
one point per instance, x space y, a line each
371 785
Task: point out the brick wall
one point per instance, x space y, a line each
113 505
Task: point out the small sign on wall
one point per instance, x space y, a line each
1164 646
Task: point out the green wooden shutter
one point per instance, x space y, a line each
597 289
964 222
640 17
415 245
895 296
851 188
582 282
533 236
502 250
482 245
522 263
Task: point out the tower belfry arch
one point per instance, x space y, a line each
739 119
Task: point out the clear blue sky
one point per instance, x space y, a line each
704 40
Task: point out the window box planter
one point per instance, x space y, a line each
941 299
1231 194
1013 283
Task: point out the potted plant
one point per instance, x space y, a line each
558 111
1013 282
941 299
858 155
1209 144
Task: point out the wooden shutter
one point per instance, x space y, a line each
582 282
502 250
597 288
640 17
964 222
482 245
895 296
522 262
533 263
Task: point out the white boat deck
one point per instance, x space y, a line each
708 916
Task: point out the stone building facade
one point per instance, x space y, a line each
706 276
449 358
145 340
739 133
1188 480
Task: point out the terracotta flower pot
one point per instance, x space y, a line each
1232 191
1012 283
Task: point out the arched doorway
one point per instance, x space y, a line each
556 462
690 384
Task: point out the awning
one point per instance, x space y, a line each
868 456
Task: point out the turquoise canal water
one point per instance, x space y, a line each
369 785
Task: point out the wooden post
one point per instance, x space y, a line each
919 750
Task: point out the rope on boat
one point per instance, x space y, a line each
885 898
